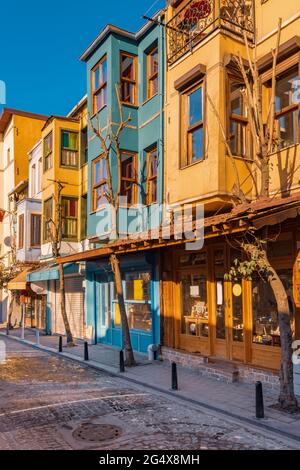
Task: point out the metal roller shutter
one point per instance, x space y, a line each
74 307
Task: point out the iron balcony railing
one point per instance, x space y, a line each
198 18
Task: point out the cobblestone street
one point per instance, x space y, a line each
47 402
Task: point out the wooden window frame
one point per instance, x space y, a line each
128 80
32 244
154 76
49 155
21 230
283 68
134 180
45 223
150 178
185 129
63 165
102 182
72 218
231 78
101 87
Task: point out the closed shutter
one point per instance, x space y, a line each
74 307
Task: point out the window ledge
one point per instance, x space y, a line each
99 111
192 164
149 99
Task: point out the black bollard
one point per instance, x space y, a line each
60 344
122 363
86 351
174 376
7 329
260 414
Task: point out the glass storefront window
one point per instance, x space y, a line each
220 308
264 308
237 313
137 301
194 305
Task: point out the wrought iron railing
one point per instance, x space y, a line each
198 18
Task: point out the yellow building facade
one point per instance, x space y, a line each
202 313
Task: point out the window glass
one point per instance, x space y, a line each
195 107
264 309
194 305
127 67
196 138
287 90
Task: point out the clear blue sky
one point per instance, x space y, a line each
40 45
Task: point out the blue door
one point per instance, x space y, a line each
103 312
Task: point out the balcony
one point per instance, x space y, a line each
199 18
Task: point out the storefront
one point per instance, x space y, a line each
205 313
141 293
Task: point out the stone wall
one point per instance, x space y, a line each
222 370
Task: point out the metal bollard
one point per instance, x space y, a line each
260 414
174 376
86 351
60 344
7 329
122 363
37 335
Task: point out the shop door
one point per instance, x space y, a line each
103 313
228 308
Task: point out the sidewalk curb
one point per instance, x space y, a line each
175 395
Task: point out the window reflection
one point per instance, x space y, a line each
194 305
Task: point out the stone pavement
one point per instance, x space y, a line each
235 400
50 403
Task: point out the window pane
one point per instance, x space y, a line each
195 107
101 195
137 286
127 67
154 63
128 170
104 71
265 317
287 90
154 86
194 305
288 129
236 99
139 316
237 138
127 190
197 144
97 78
97 172
127 90
153 163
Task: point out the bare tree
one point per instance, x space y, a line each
54 229
265 141
109 139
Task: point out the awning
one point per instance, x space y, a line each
50 273
20 281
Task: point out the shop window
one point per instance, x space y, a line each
47 151
194 305
69 149
264 309
128 78
219 266
238 121
100 185
237 301
192 125
137 301
99 85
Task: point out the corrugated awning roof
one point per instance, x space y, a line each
268 211
20 281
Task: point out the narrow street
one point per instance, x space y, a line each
50 403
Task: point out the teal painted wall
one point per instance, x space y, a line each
147 119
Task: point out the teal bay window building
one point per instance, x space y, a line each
128 66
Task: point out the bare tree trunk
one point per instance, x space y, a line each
10 311
129 356
70 341
265 177
287 399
